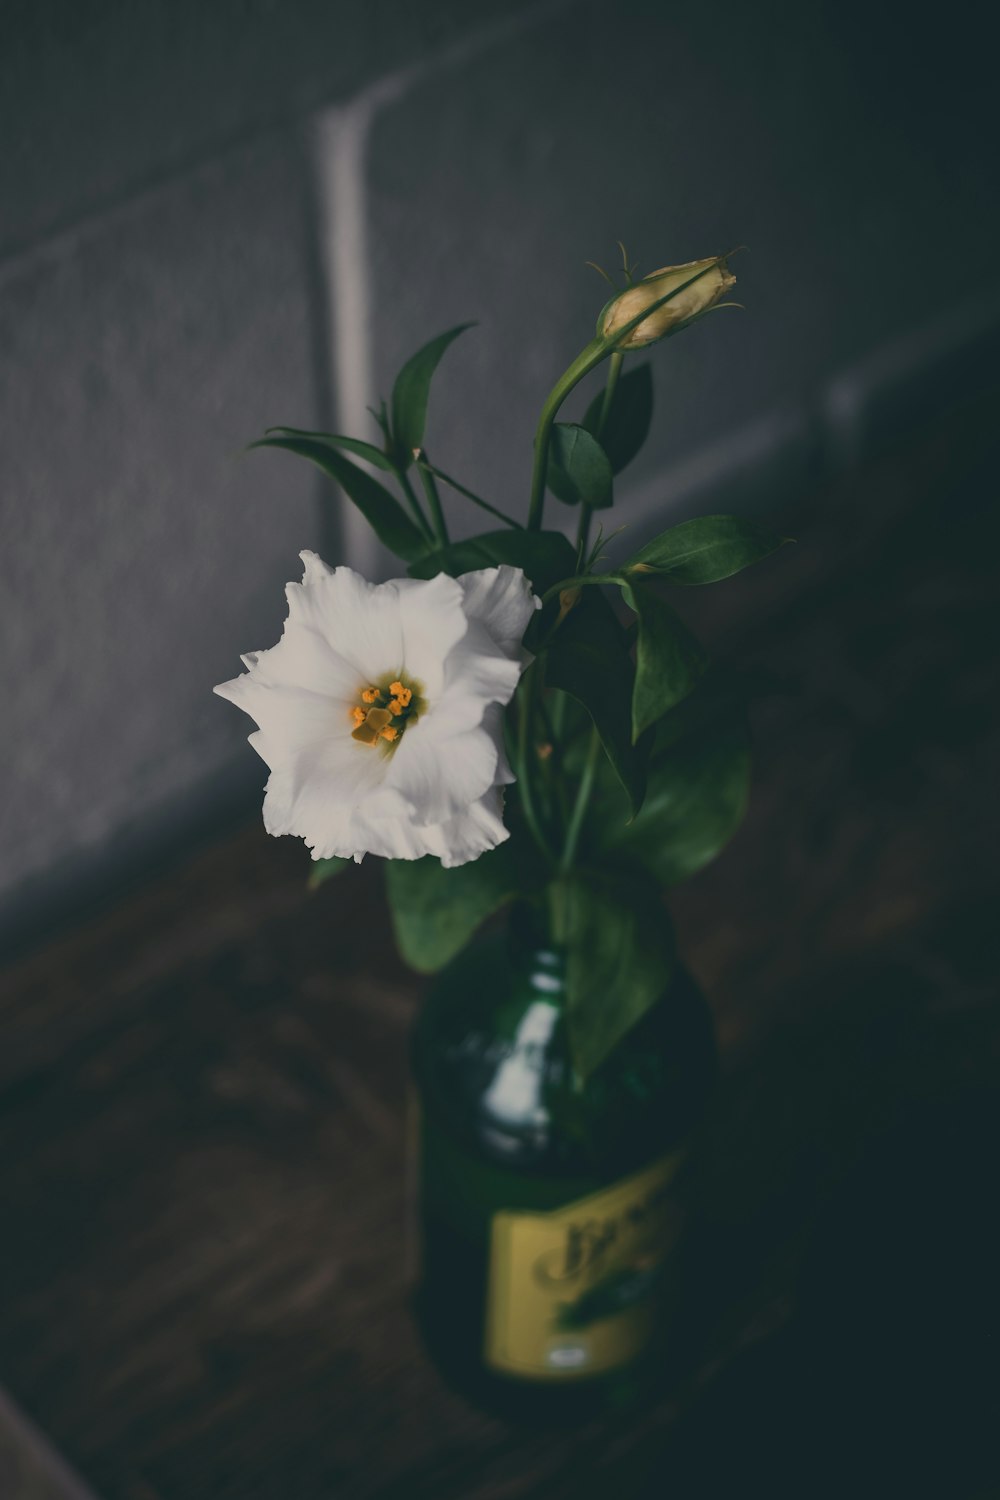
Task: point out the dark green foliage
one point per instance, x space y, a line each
410 393
589 658
436 911
620 955
705 550
628 422
545 556
669 659
380 509
579 470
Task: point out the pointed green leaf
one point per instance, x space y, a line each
619 957
544 556
697 797
669 659
381 510
705 550
410 393
357 446
588 657
629 420
579 469
436 911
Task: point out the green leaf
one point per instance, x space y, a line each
697 797
629 420
588 657
544 556
381 510
669 659
410 393
579 469
322 869
619 957
436 911
705 549
357 446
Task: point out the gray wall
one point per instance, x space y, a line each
216 217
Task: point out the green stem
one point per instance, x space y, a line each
434 502
586 361
586 512
469 495
583 534
559 721
555 782
580 581
582 802
526 697
415 506
614 370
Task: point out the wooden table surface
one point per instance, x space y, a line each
202 1292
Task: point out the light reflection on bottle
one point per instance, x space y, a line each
514 1098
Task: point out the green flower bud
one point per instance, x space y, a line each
672 316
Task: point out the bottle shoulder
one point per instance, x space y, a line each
492 1064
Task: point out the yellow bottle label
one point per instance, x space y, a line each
575 1292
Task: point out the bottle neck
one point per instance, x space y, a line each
539 962
513 1107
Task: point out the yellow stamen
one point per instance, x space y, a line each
373 722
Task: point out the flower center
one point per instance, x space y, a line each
384 711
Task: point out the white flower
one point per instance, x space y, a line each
381 711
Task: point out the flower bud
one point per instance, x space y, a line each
671 316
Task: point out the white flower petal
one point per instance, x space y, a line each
474 831
314 569
305 658
433 622
502 601
460 839
317 796
289 718
474 680
438 789
359 619
493 725
438 780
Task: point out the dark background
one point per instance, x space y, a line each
217 217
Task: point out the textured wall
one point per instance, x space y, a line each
141 551
785 128
215 217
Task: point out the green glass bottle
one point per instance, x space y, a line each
548 1212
